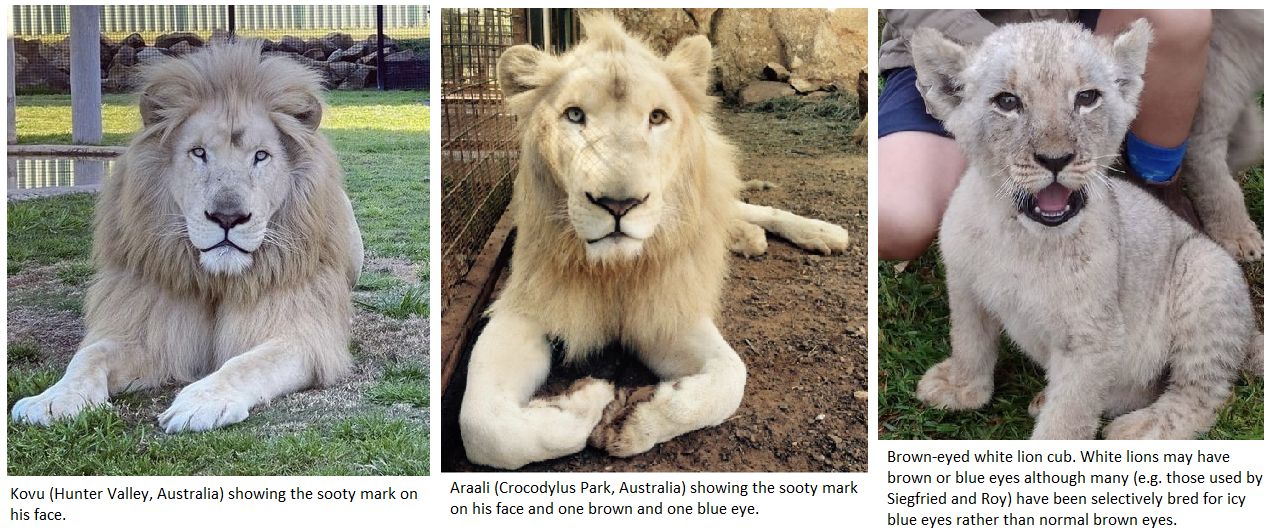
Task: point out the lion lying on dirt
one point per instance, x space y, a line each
626 204
224 244
1134 314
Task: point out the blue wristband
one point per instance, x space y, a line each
1153 163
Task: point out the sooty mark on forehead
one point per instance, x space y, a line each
236 136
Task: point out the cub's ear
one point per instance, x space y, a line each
692 58
521 69
1130 50
939 64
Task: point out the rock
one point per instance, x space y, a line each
349 55
370 58
744 43
107 49
121 78
26 48
58 54
662 29
340 70
181 48
149 55
291 44
125 57
315 54
361 77
830 44
337 41
38 72
370 42
403 56
861 396
134 40
805 86
219 37
168 39
320 44
775 72
758 91
268 45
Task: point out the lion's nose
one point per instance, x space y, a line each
617 207
228 219
1054 164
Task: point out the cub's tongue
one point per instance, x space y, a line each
1053 198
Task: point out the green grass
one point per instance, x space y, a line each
382 141
914 335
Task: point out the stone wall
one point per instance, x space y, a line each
807 50
343 62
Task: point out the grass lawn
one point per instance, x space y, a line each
374 423
914 334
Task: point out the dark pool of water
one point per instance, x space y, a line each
29 176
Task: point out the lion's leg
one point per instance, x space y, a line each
97 370
965 380
702 385
500 425
270 370
747 239
1211 332
1216 194
809 234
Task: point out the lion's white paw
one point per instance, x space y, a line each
623 430
820 236
747 239
947 385
203 406
60 401
1140 424
1242 240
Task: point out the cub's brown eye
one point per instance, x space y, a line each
199 153
1006 101
658 117
1087 98
575 115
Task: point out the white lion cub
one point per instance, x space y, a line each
1133 313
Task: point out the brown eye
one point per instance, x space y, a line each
575 115
658 117
1087 98
1006 102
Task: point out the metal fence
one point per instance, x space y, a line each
340 42
479 142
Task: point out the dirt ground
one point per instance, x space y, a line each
797 319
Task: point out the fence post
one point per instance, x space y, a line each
10 94
380 47
86 75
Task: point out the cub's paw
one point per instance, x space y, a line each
1036 404
1242 240
203 406
949 386
819 236
623 430
1146 423
61 401
747 239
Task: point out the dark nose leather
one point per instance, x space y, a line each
1054 164
228 219
617 207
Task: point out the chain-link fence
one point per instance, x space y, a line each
479 142
353 47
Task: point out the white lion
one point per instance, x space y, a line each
626 204
225 248
1133 313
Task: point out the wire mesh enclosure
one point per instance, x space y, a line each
353 47
479 142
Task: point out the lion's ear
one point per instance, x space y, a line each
1130 50
308 112
150 109
519 69
693 57
939 63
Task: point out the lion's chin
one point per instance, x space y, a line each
613 249
225 261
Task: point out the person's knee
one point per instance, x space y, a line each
905 235
1185 31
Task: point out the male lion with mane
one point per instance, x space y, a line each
225 248
626 204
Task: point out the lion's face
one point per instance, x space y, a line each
612 127
228 176
1040 108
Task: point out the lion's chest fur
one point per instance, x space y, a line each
1104 283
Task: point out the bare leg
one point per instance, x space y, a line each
918 173
500 424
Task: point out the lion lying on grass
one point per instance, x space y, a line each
224 244
626 204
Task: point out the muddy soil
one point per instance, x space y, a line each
797 319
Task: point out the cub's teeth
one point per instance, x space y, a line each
1037 210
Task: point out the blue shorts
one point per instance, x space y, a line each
901 108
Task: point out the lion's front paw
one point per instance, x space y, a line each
1242 240
820 236
747 239
203 406
1139 424
60 401
947 385
622 431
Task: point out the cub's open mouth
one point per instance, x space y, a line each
615 234
225 243
1053 205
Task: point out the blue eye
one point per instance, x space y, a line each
200 154
576 115
262 155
